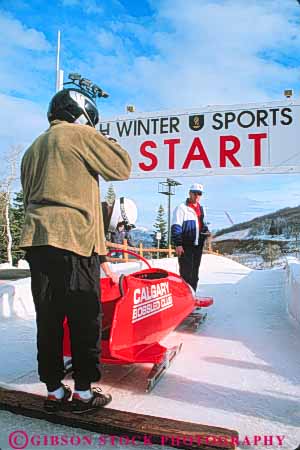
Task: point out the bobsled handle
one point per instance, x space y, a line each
121 279
130 253
204 302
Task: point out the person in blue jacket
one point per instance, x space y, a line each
189 232
120 234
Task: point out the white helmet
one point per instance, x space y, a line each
124 210
196 187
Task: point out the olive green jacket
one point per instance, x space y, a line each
59 175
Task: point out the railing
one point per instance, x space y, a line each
140 250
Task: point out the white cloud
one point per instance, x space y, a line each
25 53
87 6
93 7
20 121
108 40
16 34
70 2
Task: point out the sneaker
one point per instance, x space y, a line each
53 404
97 401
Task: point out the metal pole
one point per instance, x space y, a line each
169 184
169 217
57 80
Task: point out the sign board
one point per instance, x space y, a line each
213 140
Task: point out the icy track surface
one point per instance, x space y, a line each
240 370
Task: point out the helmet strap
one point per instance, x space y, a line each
81 120
123 213
88 118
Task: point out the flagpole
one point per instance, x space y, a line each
59 73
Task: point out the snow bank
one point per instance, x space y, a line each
170 264
6 266
16 300
23 264
293 288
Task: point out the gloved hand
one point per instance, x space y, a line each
204 235
108 137
205 231
115 277
179 250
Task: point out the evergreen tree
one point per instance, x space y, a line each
273 228
160 225
271 252
17 221
110 195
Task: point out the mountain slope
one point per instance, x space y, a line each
284 221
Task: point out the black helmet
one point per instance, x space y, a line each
73 105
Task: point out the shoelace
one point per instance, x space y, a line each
97 390
99 398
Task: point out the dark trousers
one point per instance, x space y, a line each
189 264
66 285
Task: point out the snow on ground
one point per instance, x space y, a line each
240 234
247 234
240 370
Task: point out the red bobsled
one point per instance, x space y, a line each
138 313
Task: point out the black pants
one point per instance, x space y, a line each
66 285
189 264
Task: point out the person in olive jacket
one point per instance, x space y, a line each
63 236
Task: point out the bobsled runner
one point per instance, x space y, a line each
138 313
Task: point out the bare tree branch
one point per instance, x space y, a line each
6 184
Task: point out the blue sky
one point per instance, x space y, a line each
162 54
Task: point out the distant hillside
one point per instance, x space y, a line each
142 235
277 232
284 221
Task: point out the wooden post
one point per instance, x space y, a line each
170 252
125 243
209 241
141 249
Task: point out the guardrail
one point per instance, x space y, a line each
143 251
140 250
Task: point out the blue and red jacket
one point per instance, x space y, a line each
186 227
